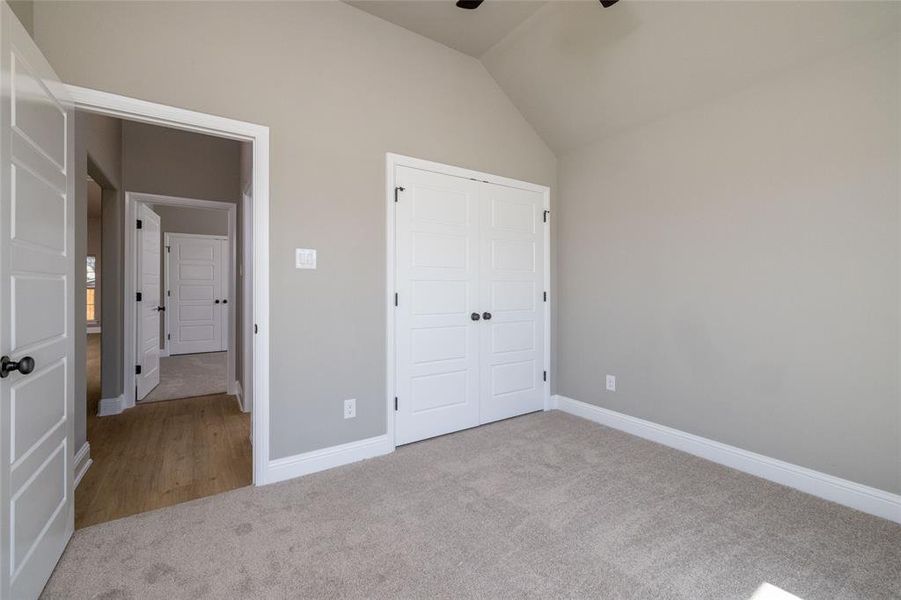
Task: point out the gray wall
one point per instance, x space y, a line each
24 10
338 88
736 266
98 153
171 162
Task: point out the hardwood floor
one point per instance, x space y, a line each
159 454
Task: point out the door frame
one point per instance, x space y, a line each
124 107
232 282
392 161
130 279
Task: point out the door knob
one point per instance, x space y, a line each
160 308
23 366
225 301
216 301
475 316
486 316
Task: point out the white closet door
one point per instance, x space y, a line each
195 283
437 342
148 309
511 294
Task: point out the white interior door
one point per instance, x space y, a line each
437 342
195 301
37 287
511 291
148 286
470 315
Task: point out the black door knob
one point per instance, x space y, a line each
486 316
225 301
216 301
475 316
23 366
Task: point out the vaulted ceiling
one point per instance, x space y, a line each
579 72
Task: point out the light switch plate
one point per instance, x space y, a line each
305 258
611 383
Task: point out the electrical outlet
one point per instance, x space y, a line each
611 383
350 408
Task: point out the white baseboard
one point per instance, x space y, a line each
327 458
111 406
82 462
164 352
841 491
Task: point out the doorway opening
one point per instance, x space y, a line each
172 317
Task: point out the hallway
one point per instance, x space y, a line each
159 454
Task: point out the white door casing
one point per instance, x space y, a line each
148 308
437 286
37 287
470 316
197 285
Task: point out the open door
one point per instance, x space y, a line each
148 286
37 269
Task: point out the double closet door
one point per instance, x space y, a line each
470 314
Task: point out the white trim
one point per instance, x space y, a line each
246 275
392 161
327 458
232 289
841 491
111 406
94 329
167 116
82 462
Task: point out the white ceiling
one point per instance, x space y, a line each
579 72
469 31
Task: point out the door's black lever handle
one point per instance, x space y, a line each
486 316
24 366
475 316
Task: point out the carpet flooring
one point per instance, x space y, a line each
542 506
189 375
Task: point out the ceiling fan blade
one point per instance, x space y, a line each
608 3
468 4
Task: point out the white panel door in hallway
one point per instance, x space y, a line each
437 286
197 285
148 285
470 314
37 286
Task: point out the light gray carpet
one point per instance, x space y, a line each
542 506
189 375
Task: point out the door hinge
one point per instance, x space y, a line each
396 190
395 298
255 329
545 296
168 248
546 213
395 403
545 376
140 224
137 369
139 296
168 293
168 336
